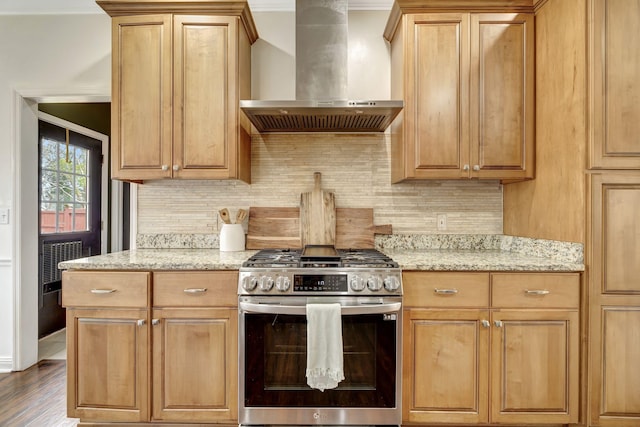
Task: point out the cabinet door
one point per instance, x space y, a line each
437 96
107 364
614 70
615 204
195 360
502 96
205 101
534 367
445 366
141 97
615 353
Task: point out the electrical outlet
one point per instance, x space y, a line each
4 215
441 220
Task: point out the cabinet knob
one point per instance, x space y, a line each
141 322
176 167
465 168
498 323
155 322
485 323
476 168
165 167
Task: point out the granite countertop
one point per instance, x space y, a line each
477 260
474 258
161 259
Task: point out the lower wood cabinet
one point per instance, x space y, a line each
173 359
491 348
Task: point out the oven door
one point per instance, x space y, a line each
273 357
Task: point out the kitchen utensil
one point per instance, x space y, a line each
224 214
273 228
240 216
317 215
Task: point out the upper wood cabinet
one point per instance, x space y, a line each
614 71
467 80
176 84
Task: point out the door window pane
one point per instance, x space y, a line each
64 187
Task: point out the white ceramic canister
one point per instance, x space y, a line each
231 237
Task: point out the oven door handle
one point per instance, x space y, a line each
301 310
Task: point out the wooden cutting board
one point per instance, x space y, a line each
271 228
355 229
317 215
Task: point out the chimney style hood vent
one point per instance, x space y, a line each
321 103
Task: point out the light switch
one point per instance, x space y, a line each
4 215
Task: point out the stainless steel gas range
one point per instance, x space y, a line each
275 287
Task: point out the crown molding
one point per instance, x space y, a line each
290 5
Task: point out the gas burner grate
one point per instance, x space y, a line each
366 258
274 258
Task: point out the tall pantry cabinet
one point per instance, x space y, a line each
614 235
179 71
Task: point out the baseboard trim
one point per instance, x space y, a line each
6 364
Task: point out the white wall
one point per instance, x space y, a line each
43 56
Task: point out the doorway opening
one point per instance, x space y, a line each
70 197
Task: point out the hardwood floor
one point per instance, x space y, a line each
35 397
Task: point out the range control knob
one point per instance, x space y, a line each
266 283
356 283
391 283
283 283
249 283
374 283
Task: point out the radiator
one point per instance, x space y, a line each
52 254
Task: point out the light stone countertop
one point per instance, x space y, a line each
477 260
408 259
161 259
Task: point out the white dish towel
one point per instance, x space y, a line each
324 346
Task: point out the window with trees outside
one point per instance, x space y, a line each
64 187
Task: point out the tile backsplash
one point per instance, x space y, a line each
354 167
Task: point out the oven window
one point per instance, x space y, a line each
276 358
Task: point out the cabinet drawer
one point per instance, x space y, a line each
548 290
428 289
105 288
195 289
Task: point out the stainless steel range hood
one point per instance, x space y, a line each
321 103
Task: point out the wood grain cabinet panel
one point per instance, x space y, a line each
615 299
514 362
535 367
195 364
176 85
467 80
449 380
107 364
615 66
183 368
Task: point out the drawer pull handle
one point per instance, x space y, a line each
102 291
537 292
485 323
445 291
195 290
